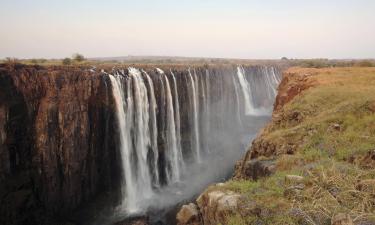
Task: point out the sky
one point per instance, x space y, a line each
250 29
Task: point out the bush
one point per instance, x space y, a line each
67 61
78 57
365 63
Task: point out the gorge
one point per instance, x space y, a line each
148 137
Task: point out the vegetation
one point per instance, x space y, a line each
67 61
78 57
334 137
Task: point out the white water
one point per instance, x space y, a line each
173 155
250 108
174 158
154 130
129 190
137 114
207 110
272 81
195 120
178 122
238 111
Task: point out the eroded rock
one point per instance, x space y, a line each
255 169
189 215
215 206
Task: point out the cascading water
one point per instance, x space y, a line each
174 155
165 121
246 91
178 121
129 187
195 134
141 133
154 131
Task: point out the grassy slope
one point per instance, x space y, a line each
333 134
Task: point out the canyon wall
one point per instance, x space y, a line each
56 141
62 138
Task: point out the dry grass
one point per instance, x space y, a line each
334 131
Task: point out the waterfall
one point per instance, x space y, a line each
153 119
154 130
141 132
207 108
246 91
129 187
173 154
195 119
178 122
238 111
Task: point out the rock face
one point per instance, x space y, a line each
56 126
189 214
59 134
215 206
255 169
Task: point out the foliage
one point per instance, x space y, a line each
78 57
67 61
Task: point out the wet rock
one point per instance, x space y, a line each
341 219
188 215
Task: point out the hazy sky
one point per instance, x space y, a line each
204 28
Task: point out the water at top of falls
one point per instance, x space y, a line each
250 108
195 119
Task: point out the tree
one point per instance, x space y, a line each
78 57
67 61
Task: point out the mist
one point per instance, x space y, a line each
215 113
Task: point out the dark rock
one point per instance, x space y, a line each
256 168
189 215
134 221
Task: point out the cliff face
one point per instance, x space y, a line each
55 141
62 138
312 164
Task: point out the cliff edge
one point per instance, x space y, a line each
312 164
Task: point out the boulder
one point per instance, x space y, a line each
216 206
257 168
293 179
189 214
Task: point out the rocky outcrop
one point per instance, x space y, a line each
213 207
189 214
293 83
56 128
